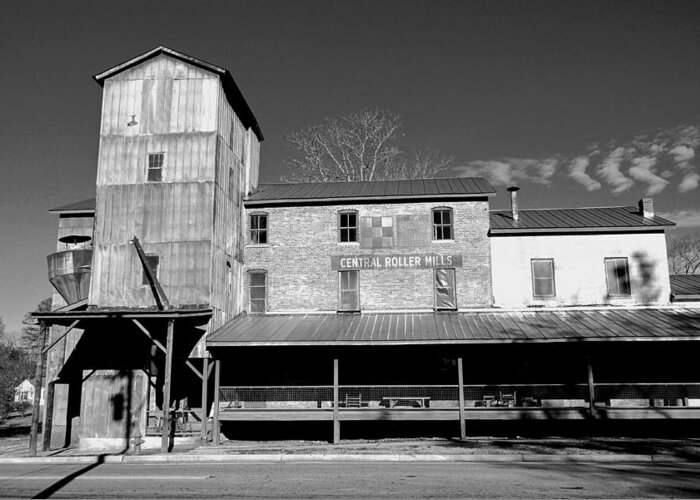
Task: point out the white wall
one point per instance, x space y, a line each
579 269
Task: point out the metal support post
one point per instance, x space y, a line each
205 386
216 427
591 387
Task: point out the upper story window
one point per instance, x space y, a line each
347 226
442 224
543 278
155 167
258 291
445 295
617 276
153 262
349 291
258 229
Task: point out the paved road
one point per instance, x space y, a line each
351 480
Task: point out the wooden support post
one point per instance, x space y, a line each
165 435
216 428
36 410
591 387
205 386
460 382
336 419
48 416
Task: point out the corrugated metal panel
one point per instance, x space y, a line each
573 218
464 327
369 190
685 284
77 206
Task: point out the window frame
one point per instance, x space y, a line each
534 278
348 228
263 273
150 168
156 271
628 294
454 288
340 291
252 231
436 227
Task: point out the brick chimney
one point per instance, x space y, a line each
646 208
514 201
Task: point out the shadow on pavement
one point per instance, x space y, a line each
48 492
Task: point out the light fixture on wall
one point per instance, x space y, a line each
132 122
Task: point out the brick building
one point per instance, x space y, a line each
188 291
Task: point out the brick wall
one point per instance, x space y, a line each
302 240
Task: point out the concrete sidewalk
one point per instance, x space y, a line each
562 450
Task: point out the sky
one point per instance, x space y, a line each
580 103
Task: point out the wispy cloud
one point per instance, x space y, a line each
683 218
654 160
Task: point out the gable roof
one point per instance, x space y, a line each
604 219
233 93
84 206
318 192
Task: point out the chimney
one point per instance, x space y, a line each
514 201
646 208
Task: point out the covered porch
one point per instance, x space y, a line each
585 364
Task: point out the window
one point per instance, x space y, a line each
349 291
617 276
155 167
258 291
445 297
348 226
442 224
542 278
258 229
153 261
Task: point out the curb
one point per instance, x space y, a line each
291 458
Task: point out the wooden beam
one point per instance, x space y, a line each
48 418
216 427
591 387
158 292
37 389
336 419
165 435
162 348
460 383
205 387
72 325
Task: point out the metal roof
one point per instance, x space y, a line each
232 91
76 207
458 187
685 286
531 326
574 220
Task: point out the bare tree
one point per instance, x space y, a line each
684 254
357 147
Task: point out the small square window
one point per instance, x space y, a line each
153 262
348 227
543 278
155 167
349 291
442 224
258 291
617 276
445 296
258 229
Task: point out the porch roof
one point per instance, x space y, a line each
473 327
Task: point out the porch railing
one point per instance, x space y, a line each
447 396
